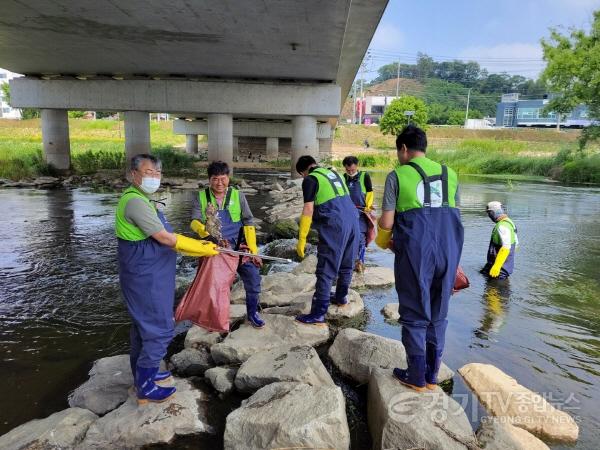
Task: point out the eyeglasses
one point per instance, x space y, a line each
151 173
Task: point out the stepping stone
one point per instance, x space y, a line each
62 430
402 418
356 354
221 378
279 330
290 415
134 426
504 397
288 363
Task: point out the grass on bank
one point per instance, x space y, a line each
95 145
568 165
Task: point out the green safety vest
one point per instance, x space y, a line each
409 180
361 180
124 229
496 234
231 203
330 185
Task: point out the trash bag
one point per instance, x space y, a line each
461 281
206 302
371 227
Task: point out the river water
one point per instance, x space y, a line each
60 307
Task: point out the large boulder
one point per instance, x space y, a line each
390 312
110 379
192 361
494 434
308 265
198 337
290 415
287 363
504 397
356 354
279 330
402 418
301 304
277 289
285 229
221 378
62 430
281 248
133 426
373 277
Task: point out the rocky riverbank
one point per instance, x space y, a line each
291 386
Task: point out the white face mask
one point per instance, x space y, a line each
150 185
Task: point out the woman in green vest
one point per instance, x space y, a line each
147 274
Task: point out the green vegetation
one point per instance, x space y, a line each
395 119
511 158
572 72
95 145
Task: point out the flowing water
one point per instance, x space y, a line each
60 307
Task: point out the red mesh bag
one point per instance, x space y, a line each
206 302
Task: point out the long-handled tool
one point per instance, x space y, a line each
235 252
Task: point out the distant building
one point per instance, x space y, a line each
6 112
513 112
370 109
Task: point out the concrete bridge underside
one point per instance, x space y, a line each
220 61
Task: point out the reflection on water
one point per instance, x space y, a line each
495 303
60 305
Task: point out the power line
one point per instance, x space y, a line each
405 55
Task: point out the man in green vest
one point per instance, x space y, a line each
237 228
361 192
421 224
501 251
327 202
147 274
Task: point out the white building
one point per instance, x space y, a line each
6 112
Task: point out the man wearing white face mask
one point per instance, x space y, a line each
147 274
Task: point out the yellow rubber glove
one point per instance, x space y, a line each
303 229
199 228
384 237
369 197
500 260
193 247
250 235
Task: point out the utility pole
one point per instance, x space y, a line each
360 110
398 79
468 100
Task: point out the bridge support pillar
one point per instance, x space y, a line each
137 134
191 143
220 138
272 148
236 145
304 140
55 139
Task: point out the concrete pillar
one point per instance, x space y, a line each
191 143
137 134
304 140
272 148
236 145
220 138
55 138
325 147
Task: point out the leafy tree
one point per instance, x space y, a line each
77 114
26 113
5 87
573 72
394 120
438 113
457 117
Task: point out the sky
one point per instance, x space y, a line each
501 35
